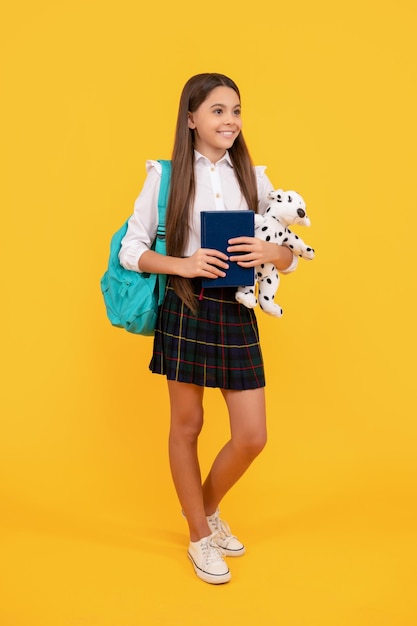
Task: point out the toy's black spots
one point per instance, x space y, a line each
291 212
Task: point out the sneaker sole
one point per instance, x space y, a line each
214 579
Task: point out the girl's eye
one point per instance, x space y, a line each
236 112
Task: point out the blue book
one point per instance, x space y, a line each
217 227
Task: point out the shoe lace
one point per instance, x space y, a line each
211 551
222 528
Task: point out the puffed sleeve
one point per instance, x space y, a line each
143 224
264 187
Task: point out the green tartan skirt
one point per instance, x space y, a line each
217 347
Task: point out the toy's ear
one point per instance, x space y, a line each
279 195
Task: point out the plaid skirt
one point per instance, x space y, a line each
217 347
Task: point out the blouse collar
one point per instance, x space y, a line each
200 157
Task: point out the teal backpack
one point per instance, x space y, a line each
132 298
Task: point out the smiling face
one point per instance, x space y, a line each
216 123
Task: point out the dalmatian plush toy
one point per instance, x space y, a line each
287 207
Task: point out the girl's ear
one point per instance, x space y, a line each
191 123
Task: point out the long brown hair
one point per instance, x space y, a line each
182 191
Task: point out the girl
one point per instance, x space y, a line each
205 338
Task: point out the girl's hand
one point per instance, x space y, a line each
204 263
256 251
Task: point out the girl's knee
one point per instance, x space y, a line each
258 443
253 444
187 423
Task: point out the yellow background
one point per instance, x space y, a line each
91 530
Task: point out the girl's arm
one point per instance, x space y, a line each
205 263
135 253
259 251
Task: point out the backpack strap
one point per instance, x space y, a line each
163 196
160 233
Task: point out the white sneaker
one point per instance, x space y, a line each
208 562
222 536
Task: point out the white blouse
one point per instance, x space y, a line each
216 188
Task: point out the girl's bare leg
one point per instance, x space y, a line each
186 423
247 415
